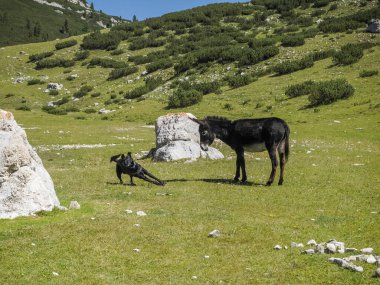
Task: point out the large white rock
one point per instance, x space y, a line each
177 137
25 185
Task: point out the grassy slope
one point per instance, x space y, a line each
13 31
324 196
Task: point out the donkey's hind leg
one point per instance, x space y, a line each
281 153
273 158
118 173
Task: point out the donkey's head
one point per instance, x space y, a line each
206 135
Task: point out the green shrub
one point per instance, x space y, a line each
349 54
53 92
292 41
89 111
83 91
121 72
297 90
39 56
137 92
54 62
321 3
293 65
54 110
368 73
239 80
97 94
65 44
35 81
184 98
105 41
327 92
81 55
253 56
62 101
160 64
184 64
117 52
107 63
24 108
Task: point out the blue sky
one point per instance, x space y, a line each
149 8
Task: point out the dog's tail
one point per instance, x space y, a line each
113 158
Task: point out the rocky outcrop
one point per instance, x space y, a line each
177 137
25 185
374 26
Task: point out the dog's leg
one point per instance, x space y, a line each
118 173
132 184
143 177
146 172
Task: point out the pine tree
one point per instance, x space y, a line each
134 19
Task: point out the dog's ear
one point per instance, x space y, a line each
122 156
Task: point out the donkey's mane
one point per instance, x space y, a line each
217 119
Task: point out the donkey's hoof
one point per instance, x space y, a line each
280 182
269 183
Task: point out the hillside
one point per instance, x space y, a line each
26 21
206 50
311 63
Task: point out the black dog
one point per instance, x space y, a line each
126 165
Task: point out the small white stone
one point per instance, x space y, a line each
371 259
337 122
377 273
277 247
367 250
206 257
194 277
330 248
141 213
309 251
311 242
214 233
136 250
300 245
293 244
129 211
92 218
55 273
74 205
137 225
33 244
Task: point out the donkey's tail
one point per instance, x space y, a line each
287 133
113 158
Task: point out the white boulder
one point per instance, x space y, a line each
25 185
177 137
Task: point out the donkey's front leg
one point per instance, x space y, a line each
273 158
240 163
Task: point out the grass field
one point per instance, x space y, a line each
331 188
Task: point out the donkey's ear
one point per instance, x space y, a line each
199 122
129 154
122 156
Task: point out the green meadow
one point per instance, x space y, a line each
331 188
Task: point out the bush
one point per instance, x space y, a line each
293 65
292 41
349 54
297 90
83 91
81 55
253 56
321 3
117 52
336 25
107 63
66 44
54 110
160 64
137 92
184 98
237 81
53 92
106 41
327 92
54 62
35 81
97 94
39 56
184 64
62 101
24 108
368 73
90 111
121 72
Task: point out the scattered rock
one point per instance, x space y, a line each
367 250
55 273
136 250
141 213
345 264
277 247
177 137
377 273
320 248
312 242
300 245
54 86
129 211
62 208
374 26
308 251
214 234
25 185
194 277
74 205
293 244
